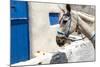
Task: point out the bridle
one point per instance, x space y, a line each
66 34
68 21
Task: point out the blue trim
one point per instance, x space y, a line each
19 21
54 18
28 32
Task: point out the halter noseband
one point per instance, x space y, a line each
66 34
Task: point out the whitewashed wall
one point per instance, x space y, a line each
42 36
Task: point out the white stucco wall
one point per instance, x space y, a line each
42 36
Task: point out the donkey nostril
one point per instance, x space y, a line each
63 41
58 40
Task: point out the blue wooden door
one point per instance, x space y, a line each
19 32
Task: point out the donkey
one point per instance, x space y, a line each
67 26
70 23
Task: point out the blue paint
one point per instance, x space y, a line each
19 43
19 32
19 21
19 9
54 18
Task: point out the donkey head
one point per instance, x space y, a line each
64 28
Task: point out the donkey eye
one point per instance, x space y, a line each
64 22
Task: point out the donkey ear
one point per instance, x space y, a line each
68 7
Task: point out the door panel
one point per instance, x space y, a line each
19 42
18 9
